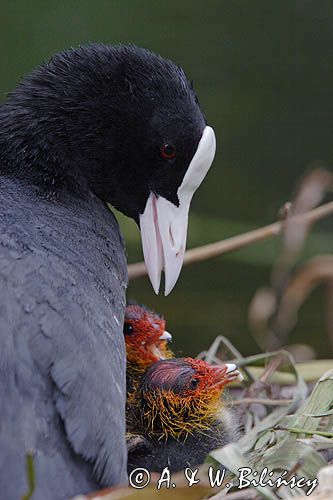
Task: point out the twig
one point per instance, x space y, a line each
329 311
299 430
271 368
211 354
312 273
261 382
236 242
262 401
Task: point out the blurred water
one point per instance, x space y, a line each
263 74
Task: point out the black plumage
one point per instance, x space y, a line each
154 455
82 130
95 118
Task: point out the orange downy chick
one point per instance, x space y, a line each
178 409
146 341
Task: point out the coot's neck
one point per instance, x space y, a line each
37 151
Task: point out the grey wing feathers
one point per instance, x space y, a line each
62 358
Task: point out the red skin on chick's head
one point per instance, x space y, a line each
177 397
146 339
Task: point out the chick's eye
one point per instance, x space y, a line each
168 151
128 329
194 383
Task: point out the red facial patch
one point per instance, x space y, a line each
147 328
208 376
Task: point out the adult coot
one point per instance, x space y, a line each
94 125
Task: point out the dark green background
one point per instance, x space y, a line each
263 74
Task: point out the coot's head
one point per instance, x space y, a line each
180 396
146 338
123 122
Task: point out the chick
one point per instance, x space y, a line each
177 414
146 341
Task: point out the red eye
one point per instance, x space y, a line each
168 151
